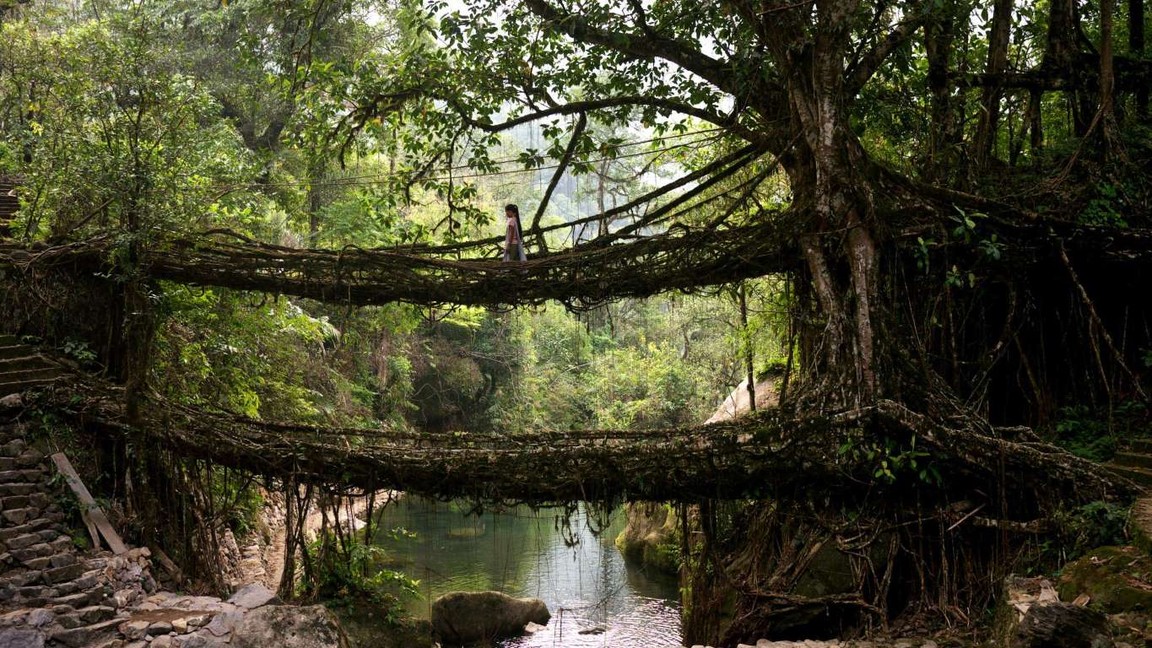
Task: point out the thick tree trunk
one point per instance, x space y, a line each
841 251
1065 41
1107 114
997 63
946 133
1136 49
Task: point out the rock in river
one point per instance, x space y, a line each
461 618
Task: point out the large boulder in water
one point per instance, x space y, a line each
289 626
462 618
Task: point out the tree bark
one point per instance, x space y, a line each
990 99
1136 49
1065 41
1107 74
829 178
945 134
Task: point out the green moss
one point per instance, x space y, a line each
664 557
1118 579
651 537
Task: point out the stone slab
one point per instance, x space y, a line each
17 489
62 559
29 458
22 541
21 638
222 624
61 574
254 595
40 617
78 637
20 515
15 501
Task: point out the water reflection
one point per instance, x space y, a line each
596 600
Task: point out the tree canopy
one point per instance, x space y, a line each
951 197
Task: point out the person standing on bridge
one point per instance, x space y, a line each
513 242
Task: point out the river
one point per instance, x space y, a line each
596 599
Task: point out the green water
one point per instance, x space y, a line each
587 586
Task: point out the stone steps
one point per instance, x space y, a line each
14 350
21 363
53 596
7 389
8 207
1135 464
57 597
1140 476
1132 460
87 635
1142 446
22 368
31 374
9 204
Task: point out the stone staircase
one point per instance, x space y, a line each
1135 462
54 595
43 581
8 205
22 367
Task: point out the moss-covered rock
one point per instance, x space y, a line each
651 537
466 618
1117 579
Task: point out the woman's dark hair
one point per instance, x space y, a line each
512 208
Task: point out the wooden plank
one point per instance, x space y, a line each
168 565
66 469
91 511
91 528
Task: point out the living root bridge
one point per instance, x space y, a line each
469 274
766 455
683 259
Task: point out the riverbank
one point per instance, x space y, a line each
258 557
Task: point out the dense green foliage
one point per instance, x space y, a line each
350 570
923 216
165 129
140 121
